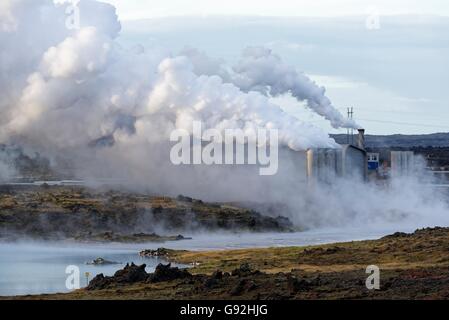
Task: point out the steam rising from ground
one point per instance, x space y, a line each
80 96
406 204
5 171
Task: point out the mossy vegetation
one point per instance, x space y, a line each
55 212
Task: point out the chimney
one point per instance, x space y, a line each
361 139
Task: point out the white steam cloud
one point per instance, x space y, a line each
85 81
78 95
263 71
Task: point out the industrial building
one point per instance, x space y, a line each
373 161
402 163
315 165
354 161
387 164
349 161
323 165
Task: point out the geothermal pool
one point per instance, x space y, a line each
35 268
40 268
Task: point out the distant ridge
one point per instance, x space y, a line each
400 140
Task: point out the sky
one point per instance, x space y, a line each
386 59
139 9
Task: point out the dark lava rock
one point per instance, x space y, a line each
334 250
242 271
434 231
244 285
312 251
321 251
295 285
101 261
397 235
211 283
167 273
99 282
284 222
239 288
133 273
129 274
159 252
184 198
213 280
251 286
158 210
217 275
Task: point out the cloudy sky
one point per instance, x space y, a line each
386 59
139 9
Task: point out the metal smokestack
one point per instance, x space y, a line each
361 139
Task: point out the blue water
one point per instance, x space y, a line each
41 268
36 268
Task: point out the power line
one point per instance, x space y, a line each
403 112
350 113
405 123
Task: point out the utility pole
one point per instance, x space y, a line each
350 115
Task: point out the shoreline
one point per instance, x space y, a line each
412 266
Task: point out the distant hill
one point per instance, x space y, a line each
400 140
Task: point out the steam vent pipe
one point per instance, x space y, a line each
361 139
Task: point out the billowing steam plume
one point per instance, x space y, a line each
109 110
263 71
65 89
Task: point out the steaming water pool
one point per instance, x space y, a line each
37 268
40 268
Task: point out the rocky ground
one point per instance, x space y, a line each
412 266
55 212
